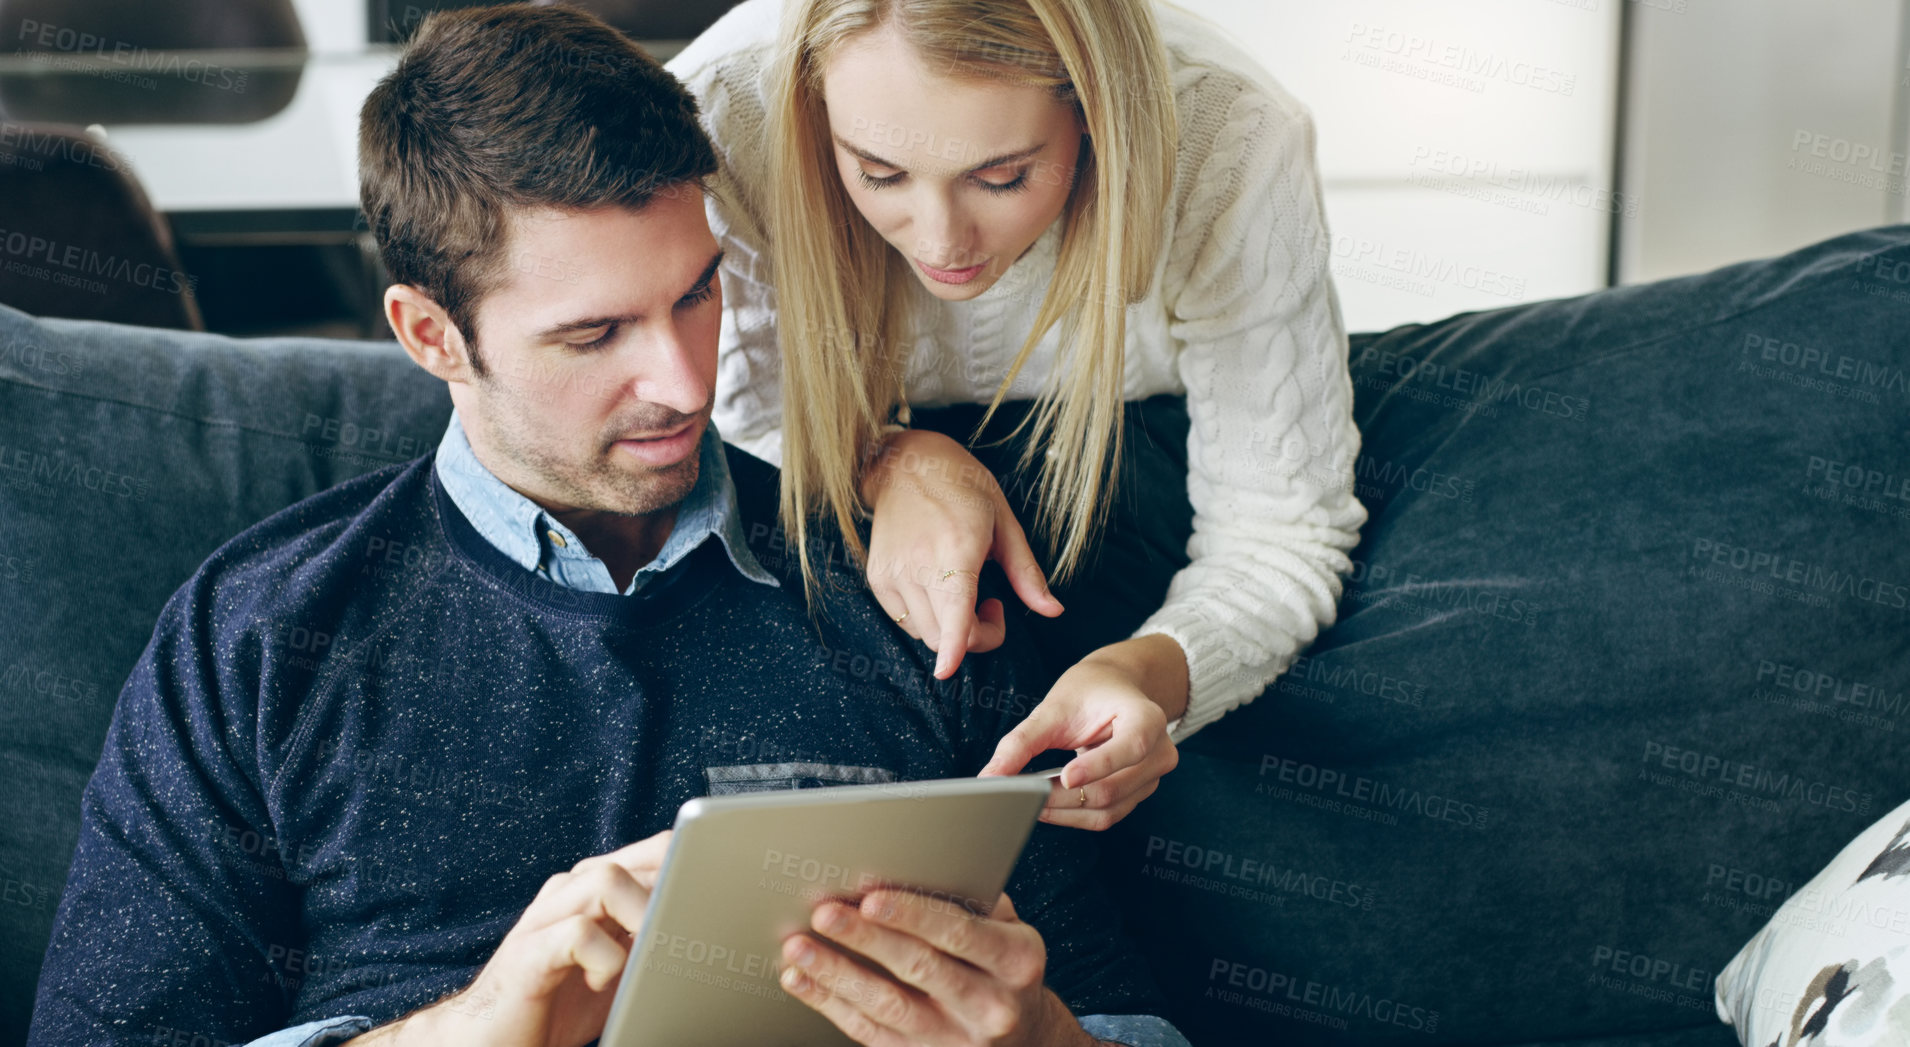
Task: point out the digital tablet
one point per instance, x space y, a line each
744 871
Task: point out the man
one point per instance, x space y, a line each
540 642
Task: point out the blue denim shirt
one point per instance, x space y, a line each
536 541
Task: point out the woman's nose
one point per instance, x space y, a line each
939 239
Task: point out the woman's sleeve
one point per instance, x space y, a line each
749 398
748 411
1263 356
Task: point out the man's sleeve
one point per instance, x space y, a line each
328 1032
1133 1030
175 909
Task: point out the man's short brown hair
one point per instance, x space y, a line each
513 107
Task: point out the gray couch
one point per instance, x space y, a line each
1551 768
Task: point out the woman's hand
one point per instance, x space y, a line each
1112 708
940 515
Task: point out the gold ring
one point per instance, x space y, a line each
952 572
904 618
1084 797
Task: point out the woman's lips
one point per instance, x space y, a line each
950 276
668 449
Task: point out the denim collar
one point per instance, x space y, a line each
536 541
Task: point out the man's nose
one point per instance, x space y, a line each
672 369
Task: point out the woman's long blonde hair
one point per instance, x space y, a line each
841 290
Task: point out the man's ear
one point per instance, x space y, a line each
427 333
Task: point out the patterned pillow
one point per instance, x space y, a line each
1833 965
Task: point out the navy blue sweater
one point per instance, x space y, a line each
361 739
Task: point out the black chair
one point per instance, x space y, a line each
149 61
79 239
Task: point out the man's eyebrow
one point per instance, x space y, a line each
993 161
591 323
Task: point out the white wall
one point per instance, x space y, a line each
1760 126
333 26
1465 146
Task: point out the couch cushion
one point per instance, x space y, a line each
1833 965
1625 647
126 456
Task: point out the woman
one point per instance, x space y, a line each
1092 226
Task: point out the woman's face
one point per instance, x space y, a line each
960 175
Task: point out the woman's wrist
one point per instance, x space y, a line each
931 458
1156 665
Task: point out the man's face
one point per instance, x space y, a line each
599 350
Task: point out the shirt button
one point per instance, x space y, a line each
558 540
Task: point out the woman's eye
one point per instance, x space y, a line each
1019 183
871 182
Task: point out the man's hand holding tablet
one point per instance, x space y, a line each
947 976
553 978
887 966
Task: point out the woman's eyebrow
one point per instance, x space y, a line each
995 161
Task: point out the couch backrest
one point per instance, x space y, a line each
127 455
1624 659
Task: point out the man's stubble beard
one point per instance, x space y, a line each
600 486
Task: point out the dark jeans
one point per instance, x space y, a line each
1124 577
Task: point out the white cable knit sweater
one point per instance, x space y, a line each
1242 320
